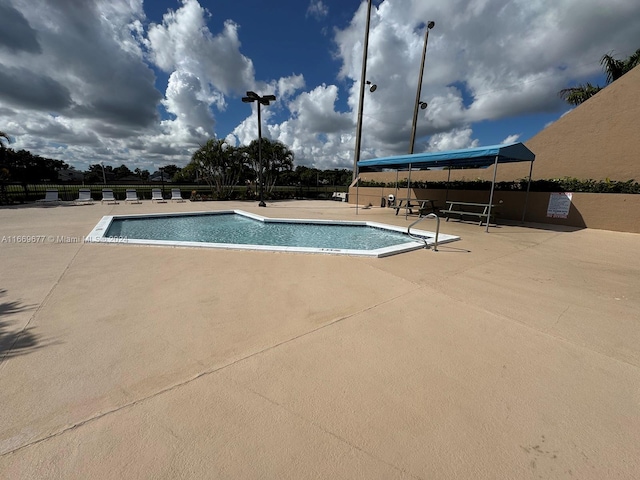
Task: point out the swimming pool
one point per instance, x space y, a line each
236 229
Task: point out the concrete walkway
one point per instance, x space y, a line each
508 355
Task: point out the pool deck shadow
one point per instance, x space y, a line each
508 354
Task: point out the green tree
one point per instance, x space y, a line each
220 165
613 69
170 171
277 158
188 174
23 166
143 174
122 172
96 174
4 138
310 176
4 171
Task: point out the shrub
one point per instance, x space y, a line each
566 184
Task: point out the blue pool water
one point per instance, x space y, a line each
236 229
232 228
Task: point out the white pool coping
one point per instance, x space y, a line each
97 235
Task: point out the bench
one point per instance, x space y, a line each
469 209
424 207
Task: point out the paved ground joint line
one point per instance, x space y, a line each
328 432
44 302
204 373
533 328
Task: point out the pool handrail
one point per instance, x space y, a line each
430 215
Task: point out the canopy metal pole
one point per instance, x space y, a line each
526 197
446 195
357 192
406 209
409 184
397 170
493 186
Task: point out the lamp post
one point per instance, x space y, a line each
420 104
264 100
356 156
104 176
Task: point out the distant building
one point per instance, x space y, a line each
70 175
158 177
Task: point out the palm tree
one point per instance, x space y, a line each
219 165
276 158
4 171
613 69
4 137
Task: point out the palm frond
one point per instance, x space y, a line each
613 68
4 137
579 94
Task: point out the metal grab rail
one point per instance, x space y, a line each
430 215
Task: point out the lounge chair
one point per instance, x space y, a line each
176 195
107 196
50 197
84 197
156 195
132 196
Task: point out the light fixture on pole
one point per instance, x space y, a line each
420 104
356 155
264 100
373 86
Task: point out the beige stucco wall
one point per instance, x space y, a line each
597 140
604 211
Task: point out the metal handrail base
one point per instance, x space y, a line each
430 215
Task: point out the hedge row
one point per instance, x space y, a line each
553 185
19 193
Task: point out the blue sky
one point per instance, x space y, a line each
146 82
299 41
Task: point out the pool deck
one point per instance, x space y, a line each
513 354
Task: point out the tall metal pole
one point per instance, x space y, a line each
260 178
356 156
264 100
430 25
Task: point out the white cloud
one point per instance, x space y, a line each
188 102
183 42
452 140
511 139
77 79
317 9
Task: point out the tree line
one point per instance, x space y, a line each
223 166
216 163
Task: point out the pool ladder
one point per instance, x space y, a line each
430 215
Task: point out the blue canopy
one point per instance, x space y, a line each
467 157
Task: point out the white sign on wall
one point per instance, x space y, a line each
559 204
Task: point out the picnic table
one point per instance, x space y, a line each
423 206
470 209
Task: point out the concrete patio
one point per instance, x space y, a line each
513 354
